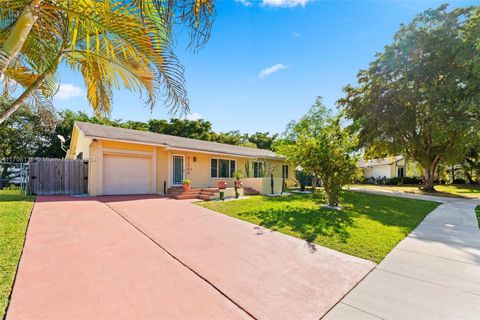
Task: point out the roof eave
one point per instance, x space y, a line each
167 147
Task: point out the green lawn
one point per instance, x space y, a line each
448 190
369 226
14 214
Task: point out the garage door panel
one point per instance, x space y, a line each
126 175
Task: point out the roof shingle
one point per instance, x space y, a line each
121 134
378 162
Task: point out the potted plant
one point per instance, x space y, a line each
238 175
186 184
222 185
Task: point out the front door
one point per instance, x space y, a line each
177 170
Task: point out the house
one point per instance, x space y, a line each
124 161
389 167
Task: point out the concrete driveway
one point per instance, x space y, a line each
155 258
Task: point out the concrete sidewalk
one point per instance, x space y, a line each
434 273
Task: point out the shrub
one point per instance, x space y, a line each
302 178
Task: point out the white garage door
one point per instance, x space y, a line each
126 175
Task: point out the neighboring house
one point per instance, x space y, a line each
389 167
124 161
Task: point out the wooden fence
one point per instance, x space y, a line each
57 176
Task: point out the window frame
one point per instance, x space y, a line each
230 172
259 163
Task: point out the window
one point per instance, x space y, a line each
214 168
258 170
285 171
222 168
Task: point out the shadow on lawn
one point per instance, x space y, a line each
389 211
308 223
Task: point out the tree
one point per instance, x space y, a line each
263 140
63 126
23 135
112 43
319 145
233 137
193 129
421 95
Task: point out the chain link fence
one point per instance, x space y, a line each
14 174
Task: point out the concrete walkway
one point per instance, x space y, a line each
434 273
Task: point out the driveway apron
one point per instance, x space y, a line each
272 275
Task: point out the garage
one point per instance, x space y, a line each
126 174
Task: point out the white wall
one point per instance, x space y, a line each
263 185
379 171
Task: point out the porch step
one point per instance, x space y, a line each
197 193
250 191
186 196
205 197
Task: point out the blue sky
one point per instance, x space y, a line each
267 60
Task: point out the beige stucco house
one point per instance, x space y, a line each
124 161
389 167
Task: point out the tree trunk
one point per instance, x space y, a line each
452 171
331 198
35 85
15 41
20 100
429 176
468 173
314 183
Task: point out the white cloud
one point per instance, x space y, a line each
268 71
67 91
246 3
193 116
285 3
296 35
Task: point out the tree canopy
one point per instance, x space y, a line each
23 135
421 96
321 147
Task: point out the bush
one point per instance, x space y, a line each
394 181
302 178
459 181
412 180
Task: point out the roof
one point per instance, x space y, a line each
144 137
379 162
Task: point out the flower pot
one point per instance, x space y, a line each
222 185
186 186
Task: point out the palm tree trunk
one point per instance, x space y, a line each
14 43
20 100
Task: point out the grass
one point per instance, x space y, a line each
14 214
369 226
446 190
477 210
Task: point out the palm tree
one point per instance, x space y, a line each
112 43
